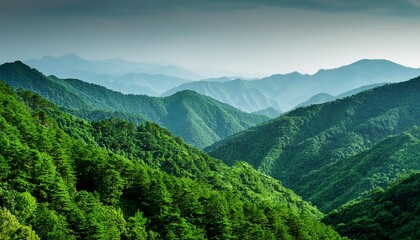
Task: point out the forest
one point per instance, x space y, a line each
65 178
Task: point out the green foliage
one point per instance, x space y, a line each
393 214
11 229
199 120
370 169
113 180
331 153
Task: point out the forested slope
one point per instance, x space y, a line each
293 147
347 179
112 180
199 120
390 214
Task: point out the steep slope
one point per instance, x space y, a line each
375 167
144 183
393 214
285 91
204 120
198 119
116 74
307 139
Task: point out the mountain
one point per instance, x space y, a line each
370 169
358 90
390 214
296 145
65 178
238 93
269 112
286 91
133 83
317 99
219 79
324 97
116 74
198 119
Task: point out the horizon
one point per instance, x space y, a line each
216 38
234 77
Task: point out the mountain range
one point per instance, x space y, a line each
80 161
127 77
198 119
331 153
285 91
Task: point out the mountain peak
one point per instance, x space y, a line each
373 61
18 65
368 65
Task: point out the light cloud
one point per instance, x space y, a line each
415 3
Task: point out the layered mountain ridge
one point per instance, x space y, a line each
320 149
285 91
198 119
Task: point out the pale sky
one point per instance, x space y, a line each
237 37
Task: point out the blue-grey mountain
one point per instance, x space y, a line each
116 74
286 91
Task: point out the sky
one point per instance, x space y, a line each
249 38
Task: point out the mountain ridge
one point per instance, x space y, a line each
81 97
308 139
285 91
117 74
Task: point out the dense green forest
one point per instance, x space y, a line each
198 119
390 214
62 177
348 178
298 147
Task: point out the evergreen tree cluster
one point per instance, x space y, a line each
390 214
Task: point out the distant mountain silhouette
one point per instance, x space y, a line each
324 97
270 112
116 74
286 91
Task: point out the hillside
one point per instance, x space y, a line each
370 169
323 97
286 91
116 74
112 180
199 120
308 139
390 214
